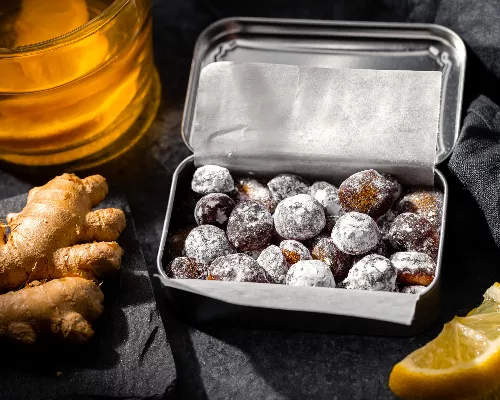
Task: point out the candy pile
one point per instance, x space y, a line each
367 234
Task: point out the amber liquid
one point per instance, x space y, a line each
80 98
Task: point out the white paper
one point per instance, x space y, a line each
320 122
382 306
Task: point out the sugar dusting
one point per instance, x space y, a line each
427 202
212 179
373 272
327 196
414 268
356 233
252 189
274 263
299 217
413 289
287 185
367 192
207 242
236 268
294 251
310 273
250 226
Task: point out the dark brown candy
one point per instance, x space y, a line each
373 272
385 222
273 262
367 192
382 250
250 226
252 189
294 252
415 289
186 268
177 240
356 233
236 268
412 232
207 242
212 179
339 262
213 209
398 189
310 273
299 217
426 202
287 185
414 268
327 195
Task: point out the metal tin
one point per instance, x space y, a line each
323 44
338 44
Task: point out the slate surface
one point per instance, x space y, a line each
128 357
242 364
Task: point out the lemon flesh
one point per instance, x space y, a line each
463 362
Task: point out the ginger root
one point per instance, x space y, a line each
61 308
58 216
47 241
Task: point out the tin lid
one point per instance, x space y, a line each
359 45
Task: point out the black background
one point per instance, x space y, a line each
232 363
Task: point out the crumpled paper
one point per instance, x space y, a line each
128 357
319 122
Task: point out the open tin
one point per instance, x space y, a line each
339 45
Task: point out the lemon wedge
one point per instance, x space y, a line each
463 362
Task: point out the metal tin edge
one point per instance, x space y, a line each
443 34
419 324
168 215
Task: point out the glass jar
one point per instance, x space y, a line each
80 98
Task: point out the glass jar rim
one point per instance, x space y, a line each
75 35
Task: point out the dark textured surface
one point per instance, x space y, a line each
128 357
242 364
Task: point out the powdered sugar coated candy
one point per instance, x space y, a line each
339 262
250 226
385 222
381 249
186 268
236 268
414 268
426 202
367 192
373 272
412 232
252 189
356 233
207 242
273 262
294 251
327 196
310 273
287 185
299 217
213 209
212 179
398 188
414 289
254 253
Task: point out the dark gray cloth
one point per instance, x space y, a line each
128 357
476 159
